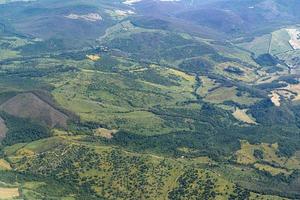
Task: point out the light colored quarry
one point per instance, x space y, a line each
92 17
295 38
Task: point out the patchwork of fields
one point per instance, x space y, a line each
140 105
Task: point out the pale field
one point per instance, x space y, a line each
243 116
93 57
103 132
4 165
92 17
9 193
294 41
275 98
120 14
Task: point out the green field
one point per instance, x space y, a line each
143 105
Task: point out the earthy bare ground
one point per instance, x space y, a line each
4 165
3 129
294 41
242 116
275 98
8 193
93 57
105 133
28 105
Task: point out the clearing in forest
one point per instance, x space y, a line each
275 98
28 105
242 116
103 132
9 193
93 57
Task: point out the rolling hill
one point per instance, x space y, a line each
149 99
28 105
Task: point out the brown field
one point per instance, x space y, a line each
28 105
8 193
105 133
4 165
242 116
3 129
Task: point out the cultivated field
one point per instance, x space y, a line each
9 193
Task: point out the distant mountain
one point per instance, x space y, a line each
150 99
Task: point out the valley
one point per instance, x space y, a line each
106 100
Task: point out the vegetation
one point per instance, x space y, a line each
22 130
135 104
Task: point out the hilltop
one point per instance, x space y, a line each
106 100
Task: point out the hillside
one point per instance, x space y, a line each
3 128
107 100
28 105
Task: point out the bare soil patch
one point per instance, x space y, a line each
295 38
93 57
275 98
8 193
242 116
105 133
28 105
4 165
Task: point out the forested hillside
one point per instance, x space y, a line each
149 99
